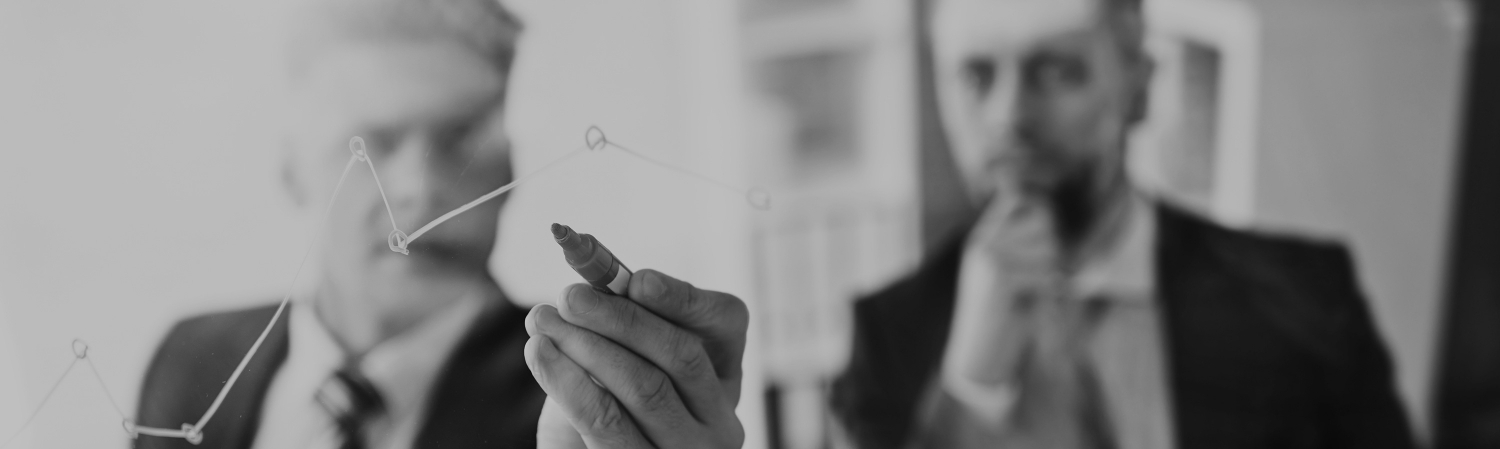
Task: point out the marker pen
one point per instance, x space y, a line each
592 260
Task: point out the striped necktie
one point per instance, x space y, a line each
1059 405
353 402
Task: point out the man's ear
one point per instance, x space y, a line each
1143 70
1130 28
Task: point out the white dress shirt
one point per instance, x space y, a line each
403 369
1126 350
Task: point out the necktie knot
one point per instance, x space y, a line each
353 401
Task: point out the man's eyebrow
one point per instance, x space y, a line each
1037 57
1053 52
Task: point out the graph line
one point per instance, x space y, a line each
194 432
41 405
357 145
489 196
757 198
105 387
594 140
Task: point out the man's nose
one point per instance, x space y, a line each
1008 111
404 175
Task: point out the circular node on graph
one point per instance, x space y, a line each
758 198
357 146
80 349
594 138
130 428
191 434
397 241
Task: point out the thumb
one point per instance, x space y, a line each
554 431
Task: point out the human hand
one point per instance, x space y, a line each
659 369
1012 255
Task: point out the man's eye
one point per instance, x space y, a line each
1060 72
451 137
980 74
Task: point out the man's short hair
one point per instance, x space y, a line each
1117 5
484 26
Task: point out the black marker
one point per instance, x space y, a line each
592 260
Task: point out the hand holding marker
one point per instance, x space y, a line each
638 360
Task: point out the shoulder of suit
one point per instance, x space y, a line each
1257 240
217 331
497 328
198 353
1287 258
229 322
930 287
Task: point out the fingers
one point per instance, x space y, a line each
598 417
554 430
719 318
677 352
646 392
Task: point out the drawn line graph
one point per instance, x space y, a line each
594 141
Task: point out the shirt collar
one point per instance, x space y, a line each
403 368
1124 270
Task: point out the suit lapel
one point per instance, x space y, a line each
485 395
1237 350
900 335
235 423
1200 263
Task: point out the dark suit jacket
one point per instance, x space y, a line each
1269 345
484 397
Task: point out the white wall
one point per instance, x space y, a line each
135 188
16 406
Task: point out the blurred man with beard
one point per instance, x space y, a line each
1078 313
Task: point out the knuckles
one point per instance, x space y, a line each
689 357
605 418
656 395
723 311
680 300
670 286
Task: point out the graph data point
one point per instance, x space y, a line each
758 199
80 349
357 146
397 240
191 434
595 139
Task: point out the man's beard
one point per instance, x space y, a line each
1074 206
1074 193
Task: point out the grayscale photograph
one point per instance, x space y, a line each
757 224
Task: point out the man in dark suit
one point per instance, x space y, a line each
376 349
1077 313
